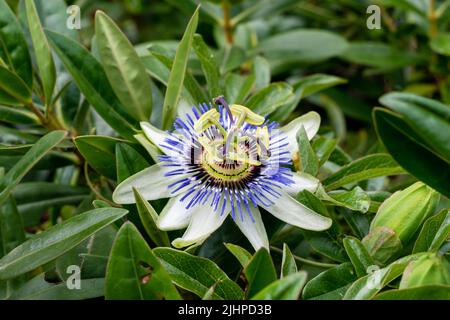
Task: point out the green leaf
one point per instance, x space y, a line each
358 255
287 288
34 198
11 235
129 161
134 272
330 284
308 159
428 118
261 71
325 242
379 55
356 199
441 44
368 286
436 292
398 138
14 49
123 67
100 153
177 74
20 169
240 253
149 217
268 99
13 87
91 255
324 147
17 116
92 82
42 51
368 167
238 87
301 46
260 272
305 87
197 274
435 231
39 289
288 264
58 239
209 66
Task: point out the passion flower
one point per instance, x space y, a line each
226 161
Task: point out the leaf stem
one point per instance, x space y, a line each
432 18
227 25
307 261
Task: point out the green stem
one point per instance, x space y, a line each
227 25
432 18
306 261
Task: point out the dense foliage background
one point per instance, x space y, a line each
70 106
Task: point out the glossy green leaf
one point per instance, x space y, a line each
123 67
42 51
330 284
379 55
358 255
17 116
14 47
21 168
39 289
268 99
91 255
399 140
134 272
209 66
441 44
287 288
435 231
305 87
92 81
149 217
325 242
429 118
177 72
240 253
371 166
238 87
420 293
307 157
261 71
14 88
34 198
356 199
288 264
301 46
129 161
197 274
58 239
100 153
324 148
260 272
368 286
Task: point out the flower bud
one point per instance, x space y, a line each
398 219
427 270
405 211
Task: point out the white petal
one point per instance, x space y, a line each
203 223
151 183
302 181
311 122
157 136
253 230
175 216
293 212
